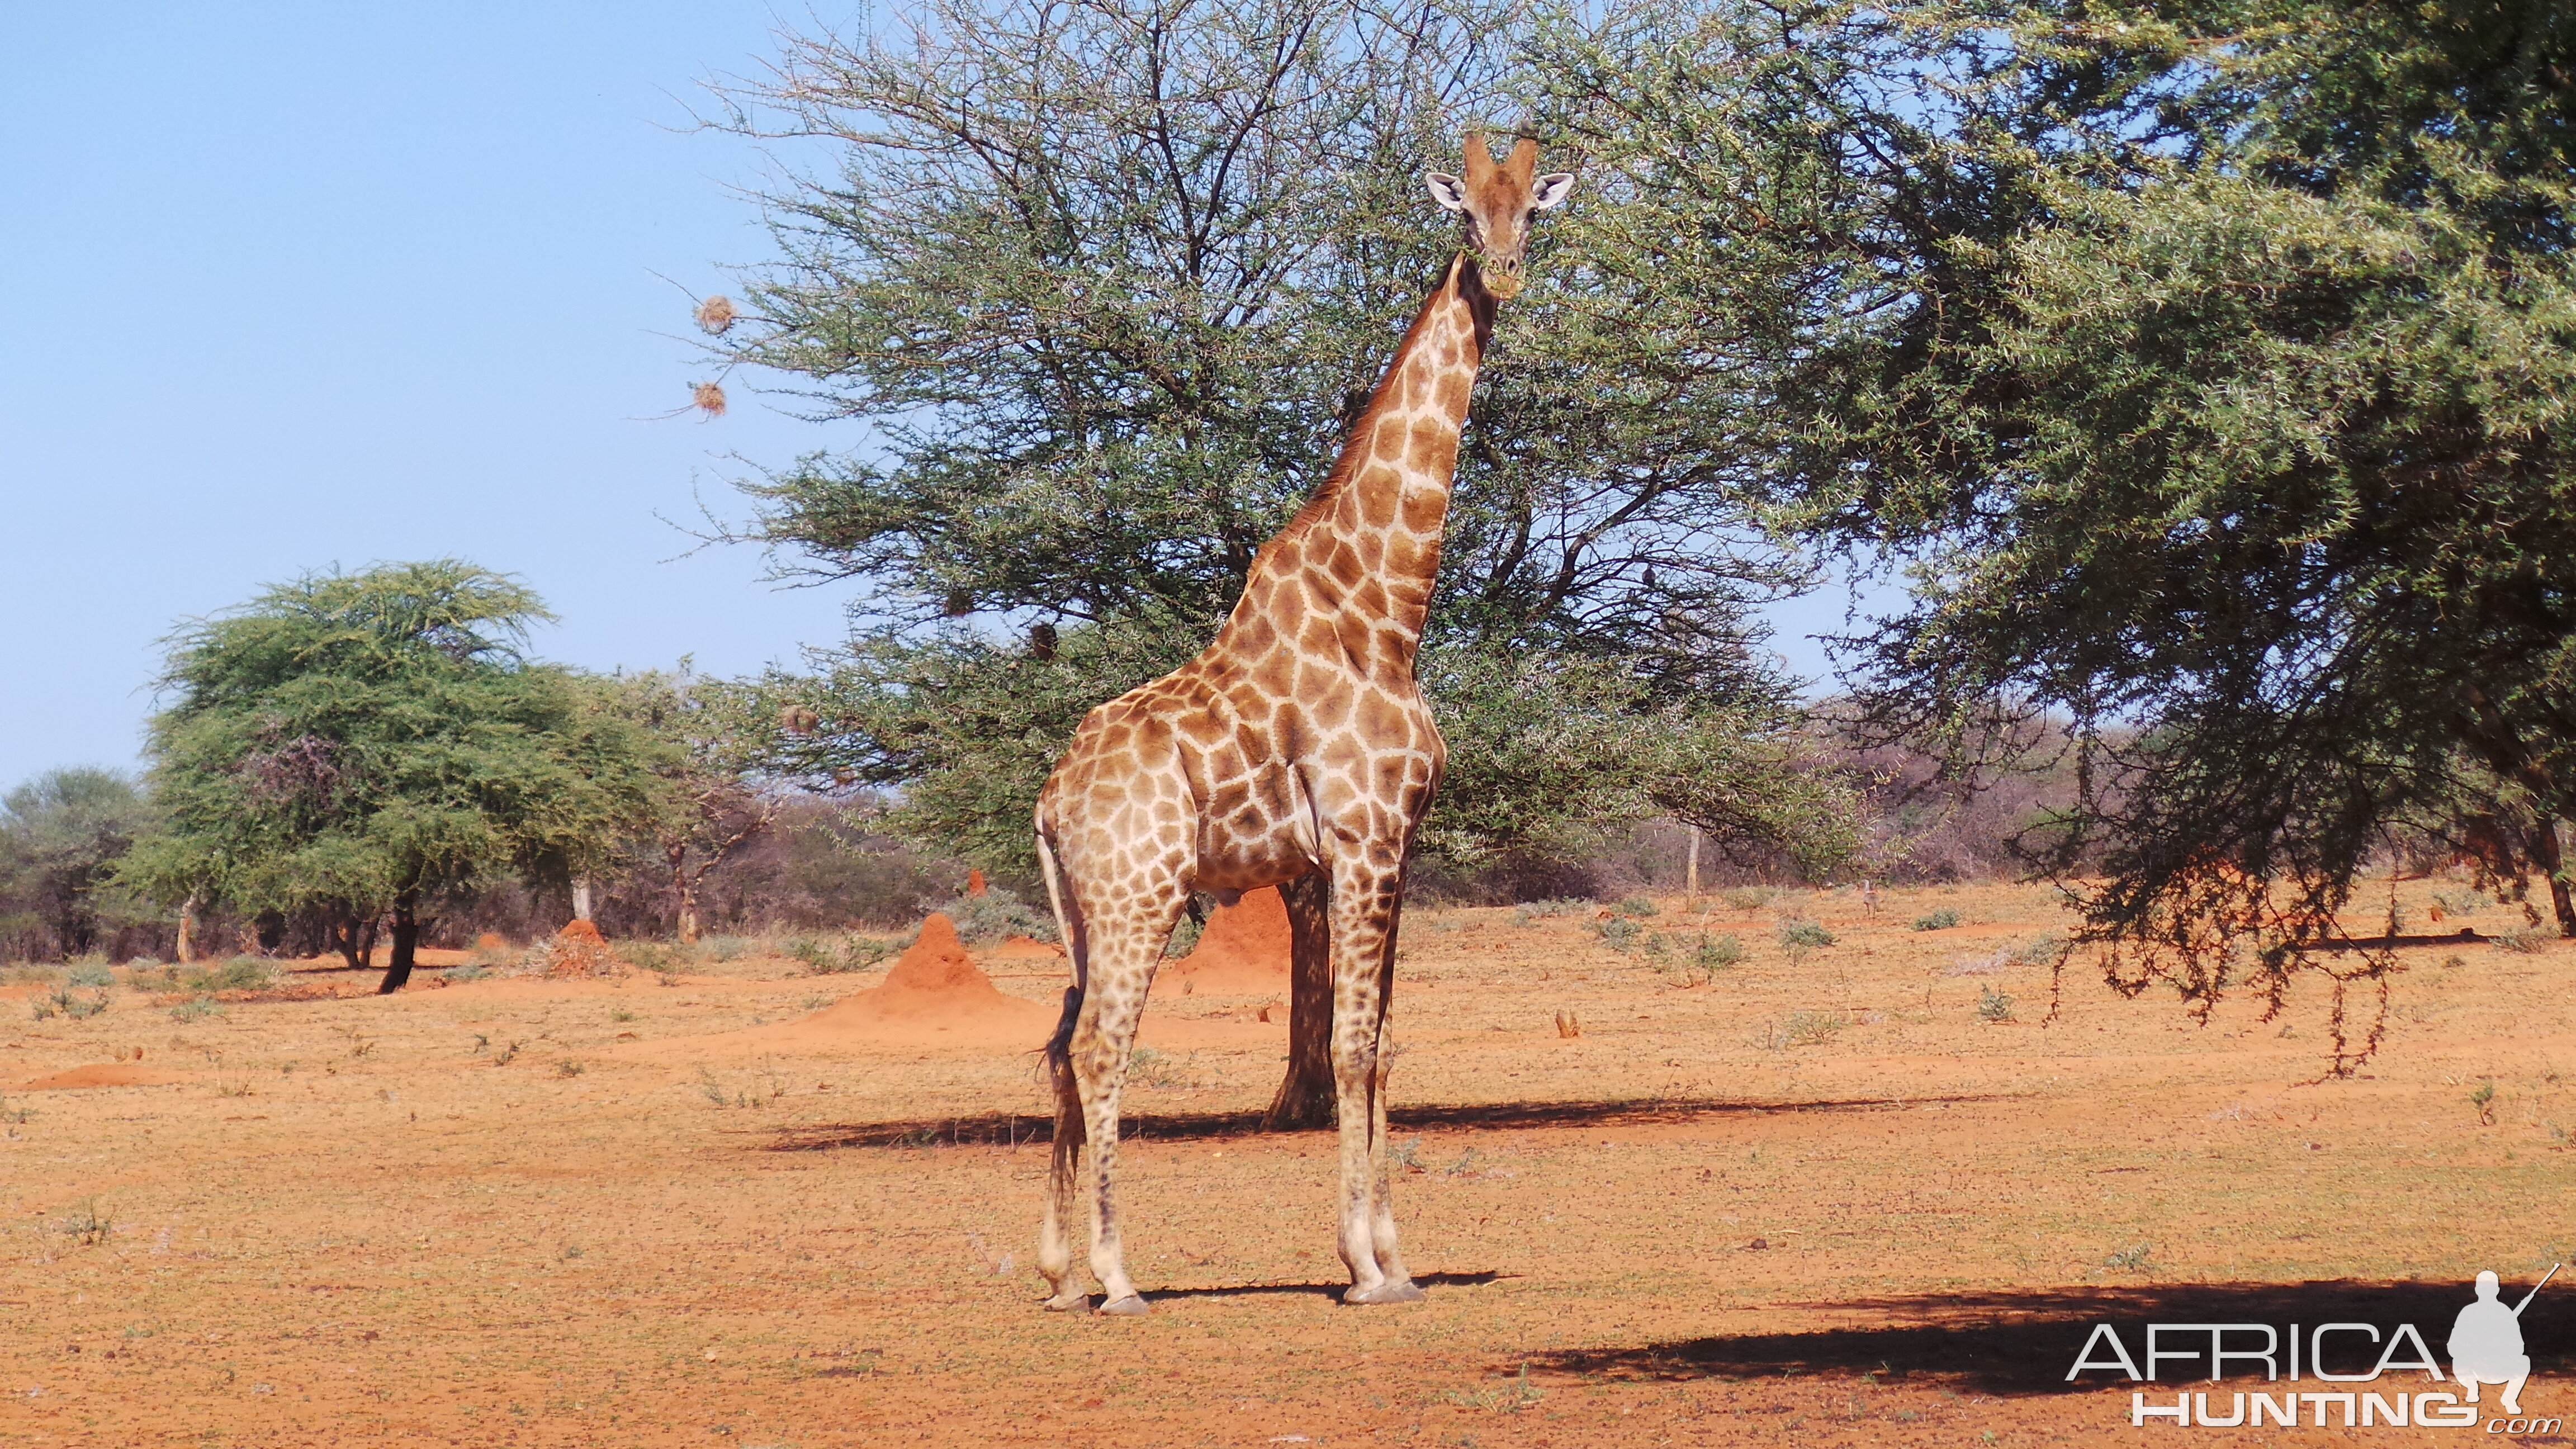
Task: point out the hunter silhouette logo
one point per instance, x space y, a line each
2485 1345
2486 1342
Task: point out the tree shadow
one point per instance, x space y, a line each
2023 1343
1003 1129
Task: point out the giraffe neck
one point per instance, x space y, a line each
1353 572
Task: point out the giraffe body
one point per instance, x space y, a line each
1296 751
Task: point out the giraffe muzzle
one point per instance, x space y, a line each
1503 279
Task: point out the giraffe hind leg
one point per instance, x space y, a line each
1055 1234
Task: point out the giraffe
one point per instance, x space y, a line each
1296 750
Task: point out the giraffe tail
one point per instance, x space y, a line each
1059 1047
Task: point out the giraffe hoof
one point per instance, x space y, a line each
1131 1306
1068 1303
1394 1290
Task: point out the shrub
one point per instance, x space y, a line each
94 974
2460 903
1749 898
1638 906
241 973
1185 937
2527 940
1937 921
1799 937
837 958
196 1008
1528 911
1716 953
1808 1028
1993 1005
995 914
719 948
1619 933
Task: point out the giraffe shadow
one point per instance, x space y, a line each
1002 1129
1319 1290
2022 1343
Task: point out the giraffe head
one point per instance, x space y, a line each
1496 202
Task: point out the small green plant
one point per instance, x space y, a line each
241 973
1513 1397
1940 920
1147 1067
1749 898
1715 953
620 1014
1638 906
92 974
470 971
2483 1099
1993 1005
1185 937
508 1054
63 1001
2131 1259
840 957
2525 940
1808 1028
1406 1156
653 955
1551 908
2460 903
86 1225
1799 937
2043 949
1619 933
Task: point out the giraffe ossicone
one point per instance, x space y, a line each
1295 751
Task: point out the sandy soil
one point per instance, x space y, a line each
1816 1201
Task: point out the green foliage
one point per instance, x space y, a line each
1619 933
996 915
374 739
241 973
1529 911
839 957
1749 898
60 837
1713 954
1937 921
1110 284
1993 1005
1799 937
1807 1028
1185 938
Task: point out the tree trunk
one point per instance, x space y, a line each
1691 890
344 939
581 898
684 892
187 951
1306 1096
2552 861
406 943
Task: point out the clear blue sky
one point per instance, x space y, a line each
300 285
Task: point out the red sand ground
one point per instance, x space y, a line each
1818 1201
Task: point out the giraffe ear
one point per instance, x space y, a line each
1550 189
1446 189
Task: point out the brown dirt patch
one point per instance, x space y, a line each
474 1216
101 1074
1024 948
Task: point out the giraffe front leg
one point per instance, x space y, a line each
1399 1285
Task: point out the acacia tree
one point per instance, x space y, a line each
1104 284
61 834
373 742
2207 372
716 737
